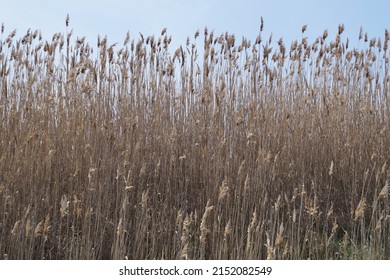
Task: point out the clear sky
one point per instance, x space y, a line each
184 17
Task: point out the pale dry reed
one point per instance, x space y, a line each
246 150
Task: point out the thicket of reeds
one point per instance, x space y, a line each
238 150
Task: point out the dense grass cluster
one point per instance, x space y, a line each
240 150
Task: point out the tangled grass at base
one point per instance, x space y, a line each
243 150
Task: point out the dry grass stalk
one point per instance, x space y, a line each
279 236
359 212
250 242
204 230
15 229
112 151
223 191
185 238
385 190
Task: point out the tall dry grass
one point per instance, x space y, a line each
244 150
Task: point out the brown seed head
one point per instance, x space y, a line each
261 24
341 28
325 34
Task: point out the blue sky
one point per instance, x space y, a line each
182 18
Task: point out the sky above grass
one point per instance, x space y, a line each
183 18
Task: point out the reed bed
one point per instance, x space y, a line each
242 149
